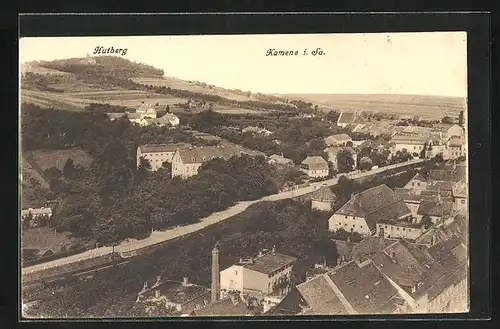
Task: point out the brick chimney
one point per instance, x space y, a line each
215 275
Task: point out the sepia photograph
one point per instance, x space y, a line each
253 175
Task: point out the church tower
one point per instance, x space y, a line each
215 275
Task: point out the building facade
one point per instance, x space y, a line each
315 167
158 154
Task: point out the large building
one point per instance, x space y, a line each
338 140
315 167
409 143
157 154
259 275
187 161
364 210
346 118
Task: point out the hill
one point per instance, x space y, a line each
433 107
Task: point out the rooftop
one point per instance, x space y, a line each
224 307
368 247
323 194
346 117
158 148
339 138
270 263
365 288
375 204
457 228
320 297
206 153
435 208
315 160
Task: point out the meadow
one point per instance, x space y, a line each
432 107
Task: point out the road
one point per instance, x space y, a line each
129 247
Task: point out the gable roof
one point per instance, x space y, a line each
368 247
339 138
320 297
375 204
323 194
366 289
448 174
435 208
206 153
457 228
270 263
280 159
160 148
315 160
114 116
346 117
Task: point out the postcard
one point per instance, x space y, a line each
244 175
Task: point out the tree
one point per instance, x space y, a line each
424 150
68 168
345 161
447 120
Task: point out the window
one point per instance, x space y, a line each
403 229
353 225
418 183
235 272
397 228
345 217
462 201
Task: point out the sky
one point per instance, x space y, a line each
430 63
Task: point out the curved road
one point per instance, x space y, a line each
129 247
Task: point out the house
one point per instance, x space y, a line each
346 118
259 275
36 217
147 109
450 172
409 143
455 228
322 199
459 193
402 229
417 184
187 161
178 297
169 119
435 210
338 140
157 154
364 210
432 280
332 153
455 147
315 166
350 289
279 160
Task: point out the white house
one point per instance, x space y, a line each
157 154
409 143
417 184
364 210
338 140
258 275
315 166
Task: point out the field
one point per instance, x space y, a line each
192 86
45 159
76 101
432 107
44 238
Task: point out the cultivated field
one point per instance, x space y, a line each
192 86
45 159
432 107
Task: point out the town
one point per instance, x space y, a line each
276 207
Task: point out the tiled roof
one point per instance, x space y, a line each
167 118
368 247
375 204
270 262
448 174
315 160
178 293
157 148
434 208
460 190
409 266
442 185
336 139
320 297
206 153
365 288
346 117
323 194
458 228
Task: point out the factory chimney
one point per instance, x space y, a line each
215 275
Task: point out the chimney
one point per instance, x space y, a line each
454 165
215 275
260 253
185 281
157 293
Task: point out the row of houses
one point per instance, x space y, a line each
405 212
147 115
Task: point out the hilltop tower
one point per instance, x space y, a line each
215 275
